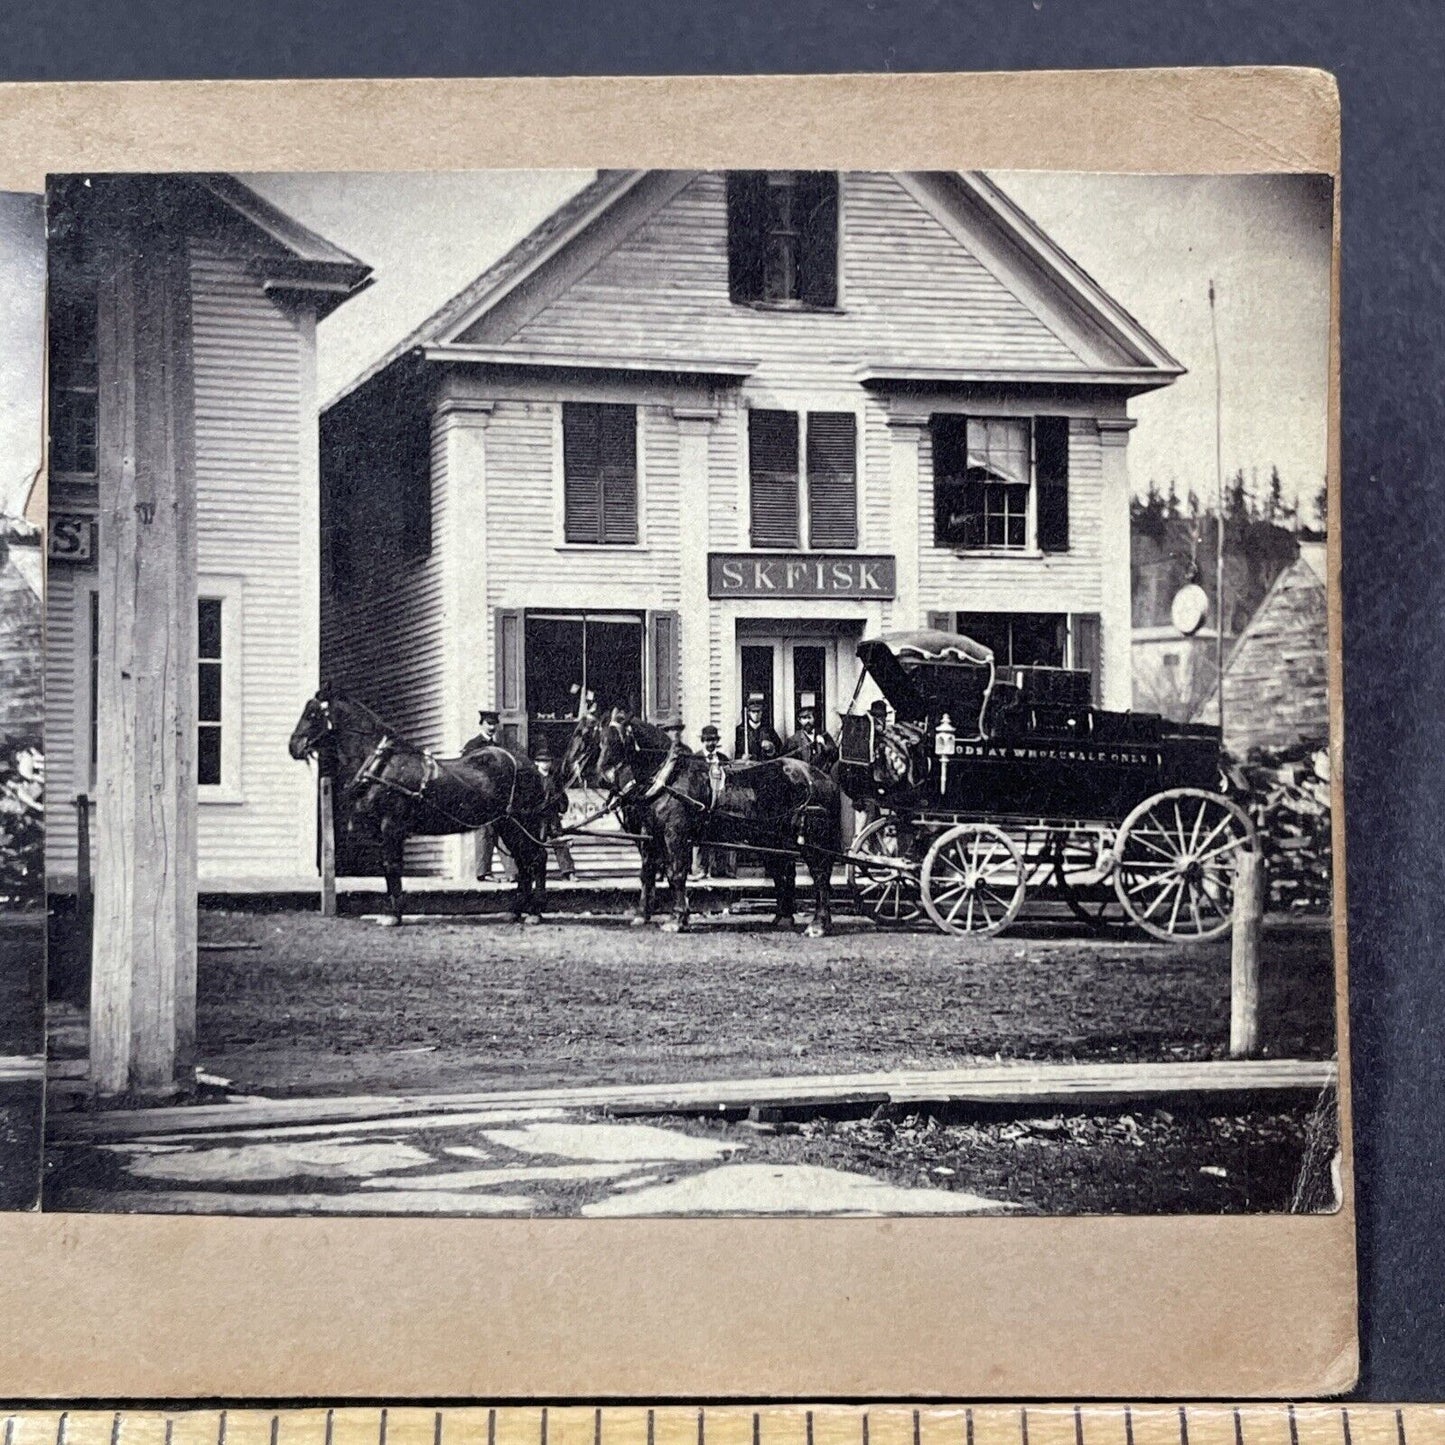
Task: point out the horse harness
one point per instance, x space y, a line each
662 783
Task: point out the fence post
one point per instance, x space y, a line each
1244 956
328 851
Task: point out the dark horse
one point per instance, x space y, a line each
399 791
665 798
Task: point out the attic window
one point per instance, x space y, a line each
783 238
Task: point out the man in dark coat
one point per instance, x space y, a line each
488 723
810 742
756 741
549 823
715 862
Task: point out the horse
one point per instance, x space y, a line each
400 791
666 797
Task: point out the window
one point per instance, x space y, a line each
819 446
599 465
567 654
218 690
74 387
209 709
1001 483
1020 639
783 238
1036 639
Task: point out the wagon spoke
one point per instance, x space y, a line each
1224 849
1226 822
1179 892
1198 824
1137 835
1154 882
1178 823
1168 888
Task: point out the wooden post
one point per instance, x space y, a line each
143 963
327 823
1244 956
83 883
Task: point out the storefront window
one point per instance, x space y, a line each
568 655
1020 639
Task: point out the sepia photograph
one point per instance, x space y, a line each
659 692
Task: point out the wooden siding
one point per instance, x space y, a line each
252 422
911 295
526 567
65 700
385 639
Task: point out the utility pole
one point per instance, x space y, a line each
1219 514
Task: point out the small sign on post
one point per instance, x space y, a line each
328 851
1244 955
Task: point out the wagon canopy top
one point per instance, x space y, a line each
895 660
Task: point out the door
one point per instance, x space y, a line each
790 672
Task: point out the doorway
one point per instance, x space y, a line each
790 672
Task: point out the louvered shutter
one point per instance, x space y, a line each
817 209
663 658
599 467
832 479
1088 650
617 472
511 700
773 476
747 222
949 436
582 488
1051 476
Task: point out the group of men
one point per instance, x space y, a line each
755 740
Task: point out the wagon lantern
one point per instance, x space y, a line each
943 746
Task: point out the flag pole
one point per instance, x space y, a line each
1219 515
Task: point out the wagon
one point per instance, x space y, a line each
983 782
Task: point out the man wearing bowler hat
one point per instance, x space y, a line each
488 723
715 862
755 740
810 742
549 822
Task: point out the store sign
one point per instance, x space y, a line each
71 537
802 574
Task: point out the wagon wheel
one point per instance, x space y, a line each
973 880
886 892
1084 882
1175 861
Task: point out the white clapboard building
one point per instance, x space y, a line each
699 432
244 339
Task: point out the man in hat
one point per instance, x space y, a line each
810 742
550 821
715 862
488 724
755 739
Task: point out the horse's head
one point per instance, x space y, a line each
617 752
578 768
314 727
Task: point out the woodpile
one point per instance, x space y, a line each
1289 799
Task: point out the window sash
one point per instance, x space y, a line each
985 483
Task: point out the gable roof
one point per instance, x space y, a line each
309 262
953 197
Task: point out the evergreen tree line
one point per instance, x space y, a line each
1242 506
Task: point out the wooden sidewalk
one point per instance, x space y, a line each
1026 1087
